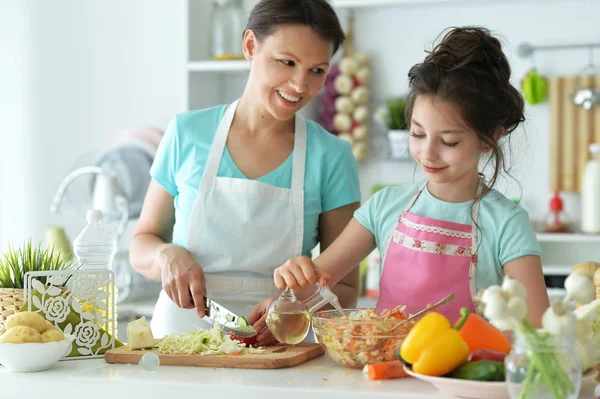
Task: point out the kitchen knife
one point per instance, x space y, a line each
229 321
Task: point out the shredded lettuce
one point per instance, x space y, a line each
203 342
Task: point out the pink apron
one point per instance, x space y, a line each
426 260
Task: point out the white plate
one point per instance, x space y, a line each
464 388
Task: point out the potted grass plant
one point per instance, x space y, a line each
15 262
392 117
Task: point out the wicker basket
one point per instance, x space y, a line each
11 301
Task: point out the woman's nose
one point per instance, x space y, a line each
299 82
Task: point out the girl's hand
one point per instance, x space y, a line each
297 273
182 278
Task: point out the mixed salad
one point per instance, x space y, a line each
365 337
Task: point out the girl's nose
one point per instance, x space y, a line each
430 151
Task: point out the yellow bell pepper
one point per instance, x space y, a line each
433 347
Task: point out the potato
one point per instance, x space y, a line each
52 336
49 326
29 319
20 335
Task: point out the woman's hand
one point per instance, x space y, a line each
182 278
258 320
297 273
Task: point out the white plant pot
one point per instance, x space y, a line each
399 143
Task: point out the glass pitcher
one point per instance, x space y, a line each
289 318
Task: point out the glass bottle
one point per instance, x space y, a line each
227 28
556 221
543 368
590 193
95 248
289 318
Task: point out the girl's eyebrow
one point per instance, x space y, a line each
449 131
285 53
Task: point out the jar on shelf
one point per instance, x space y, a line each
227 29
556 221
543 366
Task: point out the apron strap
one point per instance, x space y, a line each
297 186
474 248
218 147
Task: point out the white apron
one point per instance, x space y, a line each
240 230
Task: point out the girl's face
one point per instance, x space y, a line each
441 143
288 68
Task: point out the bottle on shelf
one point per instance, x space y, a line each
556 221
227 28
590 193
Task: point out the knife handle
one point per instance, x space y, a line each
207 306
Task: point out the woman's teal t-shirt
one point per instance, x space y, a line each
505 229
330 180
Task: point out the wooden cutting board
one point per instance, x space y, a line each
274 357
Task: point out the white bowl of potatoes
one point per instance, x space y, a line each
31 343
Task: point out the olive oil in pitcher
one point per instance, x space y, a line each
289 318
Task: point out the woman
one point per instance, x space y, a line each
238 189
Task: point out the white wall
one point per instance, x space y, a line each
80 72
76 72
395 37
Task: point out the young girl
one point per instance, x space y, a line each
452 233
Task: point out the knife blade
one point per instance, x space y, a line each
229 321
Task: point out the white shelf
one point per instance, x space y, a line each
391 3
219 66
383 3
567 237
556 270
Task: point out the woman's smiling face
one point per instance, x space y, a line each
288 68
442 143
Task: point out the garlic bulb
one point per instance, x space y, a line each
347 137
344 105
360 95
361 132
359 150
517 308
361 113
342 122
364 75
559 320
580 288
361 58
348 66
343 84
513 288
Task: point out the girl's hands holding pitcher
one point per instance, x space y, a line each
299 272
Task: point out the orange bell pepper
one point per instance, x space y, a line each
478 333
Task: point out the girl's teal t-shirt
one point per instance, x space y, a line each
330 180
505 231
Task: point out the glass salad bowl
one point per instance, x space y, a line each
364 337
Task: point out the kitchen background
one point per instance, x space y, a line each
75 74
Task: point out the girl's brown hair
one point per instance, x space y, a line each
268 15
469 69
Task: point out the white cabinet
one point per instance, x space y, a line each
210 82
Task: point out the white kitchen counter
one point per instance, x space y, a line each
319 378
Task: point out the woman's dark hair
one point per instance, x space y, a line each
469 69
268 15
